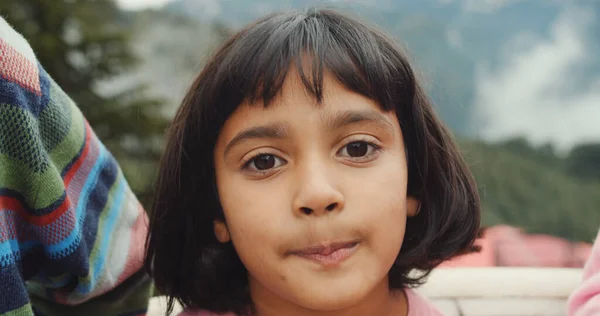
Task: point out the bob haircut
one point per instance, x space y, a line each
184 257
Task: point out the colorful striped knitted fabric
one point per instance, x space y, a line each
71 230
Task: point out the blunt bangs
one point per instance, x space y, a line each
312 43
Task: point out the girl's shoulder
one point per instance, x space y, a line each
420 306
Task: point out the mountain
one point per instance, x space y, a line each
451 41
522 185
172 49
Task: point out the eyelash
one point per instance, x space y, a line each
247 163
376 148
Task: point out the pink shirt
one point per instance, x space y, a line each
585 300
417 306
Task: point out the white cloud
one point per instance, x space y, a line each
485 6
204 9
531 92
371 3
210 8
480 6
141 4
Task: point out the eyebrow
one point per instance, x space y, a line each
275 130
344 118
335 121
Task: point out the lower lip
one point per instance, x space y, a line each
333 258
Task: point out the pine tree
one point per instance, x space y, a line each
82 43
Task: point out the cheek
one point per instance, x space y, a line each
384 184
388 226
381 198
254 219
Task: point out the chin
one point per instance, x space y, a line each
330 298
328 303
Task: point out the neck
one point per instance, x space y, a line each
380 301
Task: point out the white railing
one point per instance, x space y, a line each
496 291
501 291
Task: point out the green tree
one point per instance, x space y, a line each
526 191
82 43
584 161
545 154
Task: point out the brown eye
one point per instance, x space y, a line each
357 149
264 162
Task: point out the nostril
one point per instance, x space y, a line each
331 206
306 210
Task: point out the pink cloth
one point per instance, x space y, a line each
417 306
585 300
504 245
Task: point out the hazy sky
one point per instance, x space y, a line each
531 93
138 4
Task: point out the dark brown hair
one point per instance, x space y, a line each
183 255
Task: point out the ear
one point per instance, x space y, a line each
221 231
413 206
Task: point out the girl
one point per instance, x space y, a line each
307 174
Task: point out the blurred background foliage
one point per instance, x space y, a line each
127 71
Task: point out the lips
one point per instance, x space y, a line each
324 249
327 253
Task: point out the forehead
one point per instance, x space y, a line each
294 105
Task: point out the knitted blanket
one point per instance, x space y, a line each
71 230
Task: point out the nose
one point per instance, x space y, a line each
317 193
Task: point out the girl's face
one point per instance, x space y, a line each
314 196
